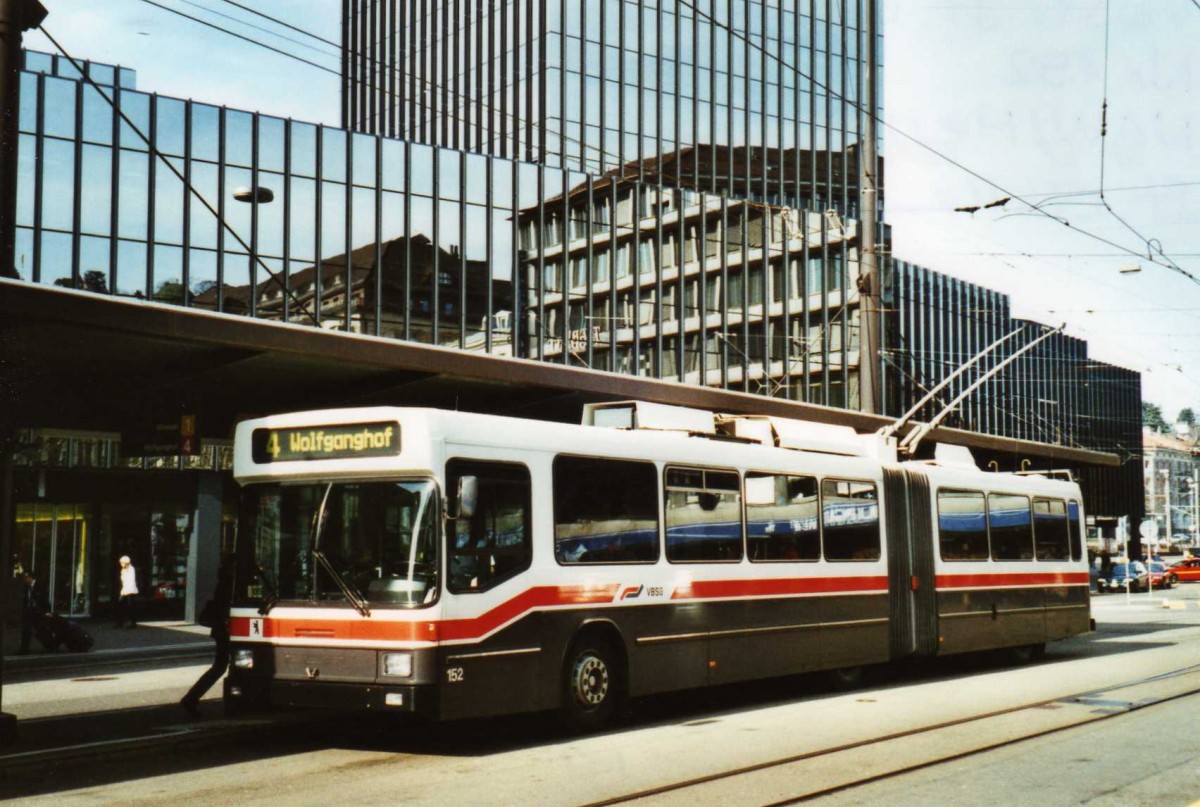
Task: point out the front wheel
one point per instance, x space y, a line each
593 686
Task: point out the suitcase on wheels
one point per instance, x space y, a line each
54 630
77 639
51 631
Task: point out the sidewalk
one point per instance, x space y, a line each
148 640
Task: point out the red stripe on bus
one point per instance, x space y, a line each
541 597
712 589
1022 579
426 630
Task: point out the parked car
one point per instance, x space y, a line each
1186 570
1161 575
1134 572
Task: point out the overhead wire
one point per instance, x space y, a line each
941 155
261 28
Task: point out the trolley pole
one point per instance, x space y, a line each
869 380
16 17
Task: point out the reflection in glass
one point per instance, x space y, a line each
26 179
237 214
270 215
27 116
55 258
168 204
333 218
236 284
303 157
202 223
206 132
59 111
363 217
168 274
364 159
132 192
168 133
393 165
131 269
202 278
270 143
302 215
136 107
58 192
23 254
333 154
97 117
239 135
421 166
96 190
94 264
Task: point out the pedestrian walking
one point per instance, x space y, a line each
129 590
34 607
214 615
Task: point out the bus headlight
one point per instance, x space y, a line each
399 665
243 658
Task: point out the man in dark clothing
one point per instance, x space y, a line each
216 616
34 607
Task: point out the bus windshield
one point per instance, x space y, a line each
338 541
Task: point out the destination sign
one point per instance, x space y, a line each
338 441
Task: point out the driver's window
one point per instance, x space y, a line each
494 543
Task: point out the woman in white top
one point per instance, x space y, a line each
129 590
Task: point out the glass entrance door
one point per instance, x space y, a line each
54 540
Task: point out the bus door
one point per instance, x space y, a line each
491 637
911 581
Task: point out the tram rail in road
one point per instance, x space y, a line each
819 773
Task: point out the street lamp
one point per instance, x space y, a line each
257 195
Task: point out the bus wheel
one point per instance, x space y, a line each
844 678
1023 654
592 685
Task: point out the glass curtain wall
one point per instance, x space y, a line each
754 99
364 234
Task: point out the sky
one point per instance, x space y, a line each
983 99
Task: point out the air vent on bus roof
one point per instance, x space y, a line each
800 435
645 415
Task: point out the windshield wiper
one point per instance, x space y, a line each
270 594
348 591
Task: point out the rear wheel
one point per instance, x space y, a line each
844 678
1024 653
593 685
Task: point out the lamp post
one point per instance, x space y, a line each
16 17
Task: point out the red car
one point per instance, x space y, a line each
1186 570
1161 576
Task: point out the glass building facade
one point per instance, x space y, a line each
704 232
202 206
759 100
1055 393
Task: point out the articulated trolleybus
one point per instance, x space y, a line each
455 564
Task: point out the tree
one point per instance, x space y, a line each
1187 416
1152 417
92 280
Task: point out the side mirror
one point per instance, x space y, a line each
465 498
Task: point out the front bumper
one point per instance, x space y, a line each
249 694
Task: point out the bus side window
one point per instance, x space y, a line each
1010 527
849 520
494 543
1051 529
